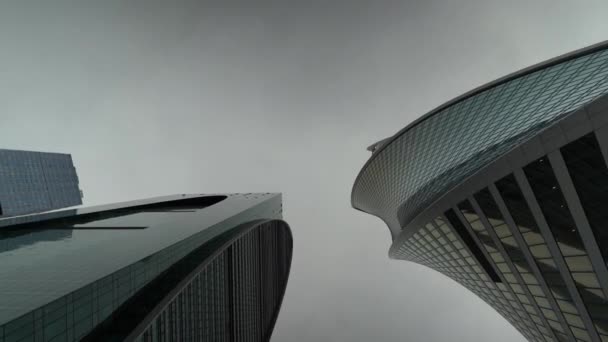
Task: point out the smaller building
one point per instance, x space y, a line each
33 182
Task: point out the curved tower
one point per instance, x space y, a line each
505 190
173 268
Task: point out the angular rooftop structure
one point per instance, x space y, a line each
36 181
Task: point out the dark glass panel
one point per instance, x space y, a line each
470 242
553 204
524 220
479 230
589 174
490 209
557 214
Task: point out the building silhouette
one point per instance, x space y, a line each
505 190
176 268
36 181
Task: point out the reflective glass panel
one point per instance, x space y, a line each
587 168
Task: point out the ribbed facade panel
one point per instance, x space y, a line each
235 297
177 268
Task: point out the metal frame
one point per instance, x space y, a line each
505 255
580 219
508 261
592 117
529 258
556 254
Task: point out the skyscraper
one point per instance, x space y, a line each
505 190
176 268
36 181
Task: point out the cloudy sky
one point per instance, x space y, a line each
161 97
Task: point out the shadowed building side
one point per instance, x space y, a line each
234 296
181 268
505 190
230 289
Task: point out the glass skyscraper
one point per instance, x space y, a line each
505 190
36 181
176 268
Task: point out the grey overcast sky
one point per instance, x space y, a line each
160 97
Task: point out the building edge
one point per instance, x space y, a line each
384 143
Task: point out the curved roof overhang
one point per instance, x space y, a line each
383 144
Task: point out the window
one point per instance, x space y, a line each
468 240
589 174
526 224
553 205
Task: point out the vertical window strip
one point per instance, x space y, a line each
556 212
525 222
203 311
589 174
522 297
497 297
531 283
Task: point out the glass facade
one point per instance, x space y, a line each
438 246
506 266
537 245
84 269
515 176
527 277
553 204
234 298
587 168
443 149
559 302
36 181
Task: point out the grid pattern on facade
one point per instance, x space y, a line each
536 244
483 126
522 252
533 284
541 228
73 316
234 298
436 245
548 194
587 168
200 312
61 180
36 181
501 258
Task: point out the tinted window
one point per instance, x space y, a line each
589 174
512 248
468 240
557 214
